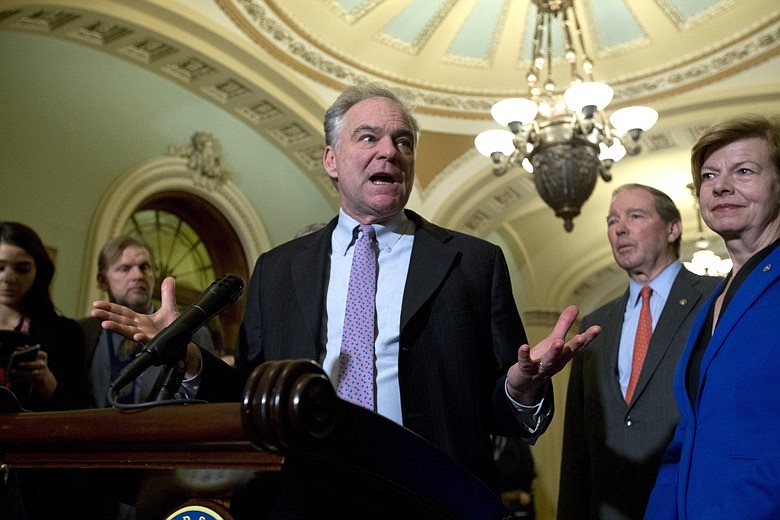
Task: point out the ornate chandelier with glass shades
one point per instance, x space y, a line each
565 140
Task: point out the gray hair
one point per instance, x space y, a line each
334 116
664 206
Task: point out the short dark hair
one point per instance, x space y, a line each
664 206
726 132
353 95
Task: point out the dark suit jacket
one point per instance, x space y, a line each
460 331
611 451
724 461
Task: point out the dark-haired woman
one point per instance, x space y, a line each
52 380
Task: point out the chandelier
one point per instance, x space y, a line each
565 140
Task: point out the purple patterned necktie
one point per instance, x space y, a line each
356 361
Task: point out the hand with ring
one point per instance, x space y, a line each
527 379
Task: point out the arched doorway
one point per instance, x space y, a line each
208 228
194 243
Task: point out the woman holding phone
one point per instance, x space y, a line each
48 377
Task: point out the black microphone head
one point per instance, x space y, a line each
229 284
221 294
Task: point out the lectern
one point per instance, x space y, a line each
290 421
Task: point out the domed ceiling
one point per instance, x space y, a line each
456 57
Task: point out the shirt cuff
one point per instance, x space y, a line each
190 386
529 416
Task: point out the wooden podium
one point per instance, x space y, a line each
289 421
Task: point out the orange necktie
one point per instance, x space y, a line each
644 330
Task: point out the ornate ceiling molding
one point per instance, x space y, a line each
271 26
191 69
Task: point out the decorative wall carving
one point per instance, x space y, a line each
101 33
204 158
149 50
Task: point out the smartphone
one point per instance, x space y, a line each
26 353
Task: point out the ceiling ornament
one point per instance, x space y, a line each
565 139
204 159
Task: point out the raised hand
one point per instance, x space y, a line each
136 326
527 378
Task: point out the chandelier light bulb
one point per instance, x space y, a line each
631 118
706 262
724 266
491 141
588 93
510 110
587 65
614 152
527 165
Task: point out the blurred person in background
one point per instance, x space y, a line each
126 274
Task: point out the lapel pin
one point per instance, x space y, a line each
683 301
767 267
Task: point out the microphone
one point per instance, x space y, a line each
167 346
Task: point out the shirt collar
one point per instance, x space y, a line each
661 284
387 233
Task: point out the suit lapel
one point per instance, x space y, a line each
612 328
428 267
683 297
92 330
308 272
751 289
430 262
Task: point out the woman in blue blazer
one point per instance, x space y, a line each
724 460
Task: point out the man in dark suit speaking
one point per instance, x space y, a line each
620 410
447 355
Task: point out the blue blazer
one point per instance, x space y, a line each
724 459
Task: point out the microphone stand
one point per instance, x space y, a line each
168 382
